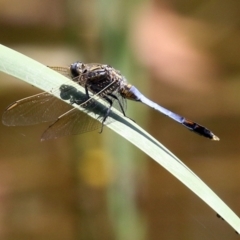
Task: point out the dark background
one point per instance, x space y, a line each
184 55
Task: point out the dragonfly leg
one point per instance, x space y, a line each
108 111
120 104
86 91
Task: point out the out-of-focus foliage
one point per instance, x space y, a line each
190 49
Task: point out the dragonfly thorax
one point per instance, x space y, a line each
99 79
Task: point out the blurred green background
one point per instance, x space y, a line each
184 55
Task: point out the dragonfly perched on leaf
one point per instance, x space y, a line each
99 81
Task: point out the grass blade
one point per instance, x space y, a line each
34 73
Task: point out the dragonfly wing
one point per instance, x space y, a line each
62 70
42 107
72 122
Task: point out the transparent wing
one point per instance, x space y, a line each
72 122
42 107
65 71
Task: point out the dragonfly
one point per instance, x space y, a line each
99 81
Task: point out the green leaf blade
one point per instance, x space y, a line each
34 73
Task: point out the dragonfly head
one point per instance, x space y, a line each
77 69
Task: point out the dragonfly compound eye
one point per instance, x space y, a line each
76 69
